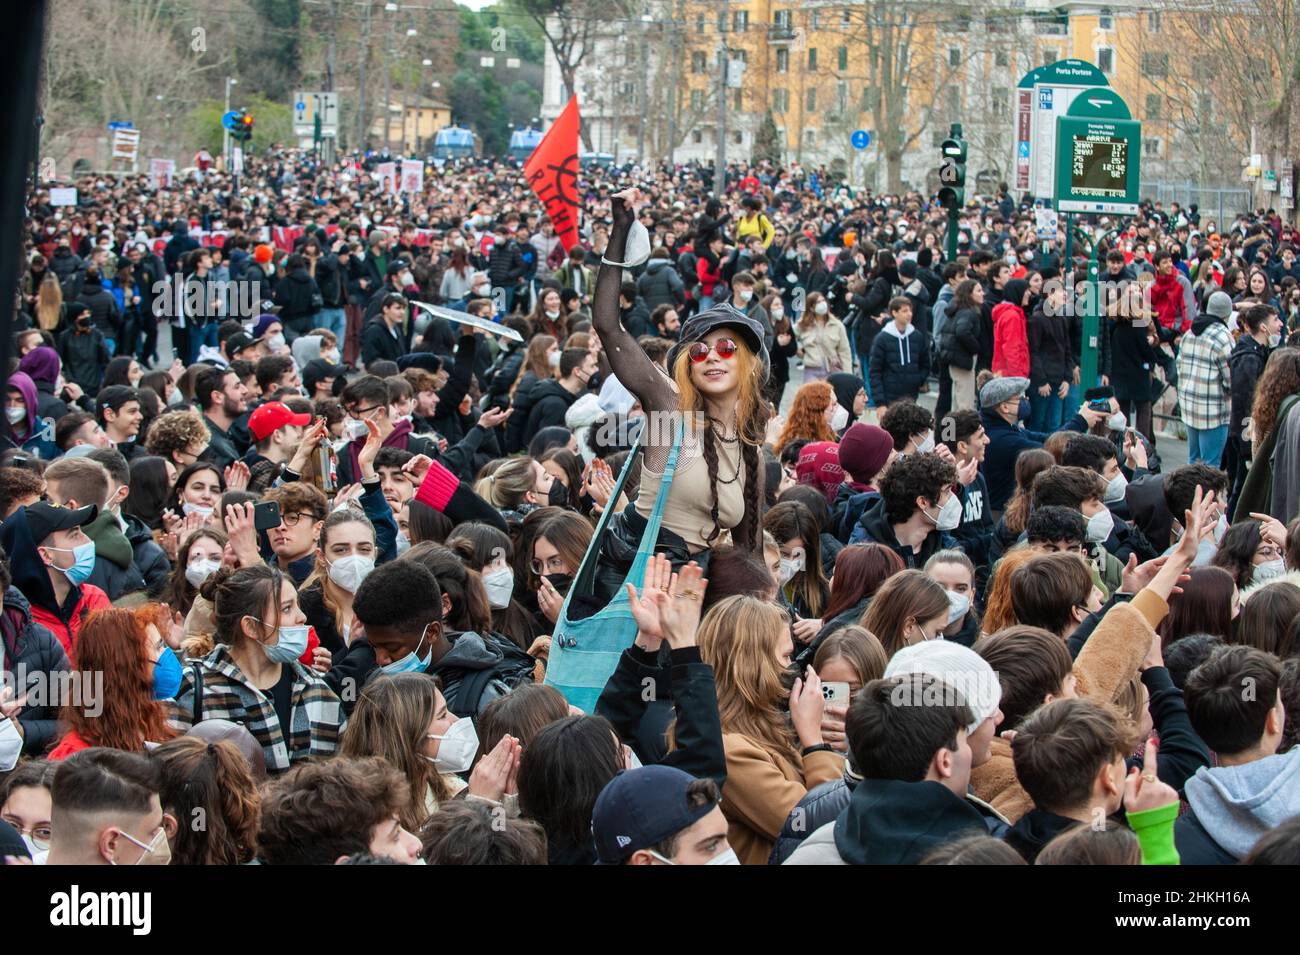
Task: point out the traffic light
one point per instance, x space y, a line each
952 171
243 127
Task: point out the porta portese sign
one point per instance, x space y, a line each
1098 153
1043 95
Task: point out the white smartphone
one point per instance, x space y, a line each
835 692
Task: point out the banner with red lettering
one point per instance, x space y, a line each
552 172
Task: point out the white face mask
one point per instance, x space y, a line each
354 428
200 569
637 249
777 313
789 567
949 515
744 295
927 445
1220 528
1117 421
958 605
483 291
821 308
11 745
406 278
403 543
348 572
553 359
1115 489
500 585
725 858
1269 570
456 748
15 415
839 419
189 508
552 313
1100 526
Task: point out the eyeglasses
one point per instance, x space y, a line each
291 519
725 348
552 565
40 835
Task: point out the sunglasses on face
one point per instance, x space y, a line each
725 347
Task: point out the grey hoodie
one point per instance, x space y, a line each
1236 805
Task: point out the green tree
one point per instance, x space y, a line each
767 142
272 123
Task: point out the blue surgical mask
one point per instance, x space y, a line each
166 676
83 562
412 662
292 644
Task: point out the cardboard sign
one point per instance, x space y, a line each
63 197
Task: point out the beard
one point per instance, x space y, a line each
231 408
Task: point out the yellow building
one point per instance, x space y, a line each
412 125
905 70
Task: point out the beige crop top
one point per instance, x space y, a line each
690 498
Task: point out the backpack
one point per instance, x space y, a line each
686 263
514 670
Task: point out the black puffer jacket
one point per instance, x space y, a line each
550 402
959 340
295 294
1050 358
660 284
104 313
32 655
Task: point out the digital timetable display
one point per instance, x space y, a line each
1099 166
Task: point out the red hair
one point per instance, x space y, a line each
807 419
860 569
113 647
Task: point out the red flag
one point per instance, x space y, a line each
552 172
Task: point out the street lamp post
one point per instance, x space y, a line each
225 133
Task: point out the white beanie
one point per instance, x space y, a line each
959 667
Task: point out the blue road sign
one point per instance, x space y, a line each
229 120
860 139
1024 149
121 124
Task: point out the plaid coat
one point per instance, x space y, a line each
316 716
1204 382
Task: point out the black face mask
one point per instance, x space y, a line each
561 582
558 495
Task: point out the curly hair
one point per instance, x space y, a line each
913 476
211 780
1280 377
317 812
807 418
175 431
903 419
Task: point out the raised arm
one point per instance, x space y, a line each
634 369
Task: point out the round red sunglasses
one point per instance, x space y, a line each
725 347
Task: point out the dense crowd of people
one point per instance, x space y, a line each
750 529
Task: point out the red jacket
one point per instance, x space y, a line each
92 599
71 743
1168 303
1010 341
708 279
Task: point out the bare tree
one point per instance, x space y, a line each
1222 69
572 28
905 75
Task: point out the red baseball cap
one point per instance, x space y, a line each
271 417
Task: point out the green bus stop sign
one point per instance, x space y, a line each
1098 156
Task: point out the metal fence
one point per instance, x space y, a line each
1220 204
